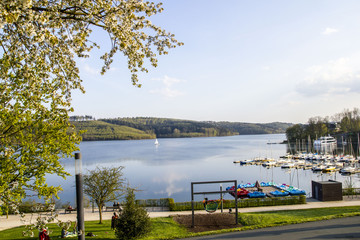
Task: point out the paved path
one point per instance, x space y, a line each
341 228
14 220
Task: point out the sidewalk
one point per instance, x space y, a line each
14 220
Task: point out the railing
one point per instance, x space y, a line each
351 192
244 203
169 204
161 204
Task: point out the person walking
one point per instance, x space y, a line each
113 220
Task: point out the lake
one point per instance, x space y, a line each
167 169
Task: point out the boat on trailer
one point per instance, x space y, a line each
278 193
240 192
256 194
297 192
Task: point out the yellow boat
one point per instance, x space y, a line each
329 169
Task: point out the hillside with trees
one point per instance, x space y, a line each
99 130
255 128
148 128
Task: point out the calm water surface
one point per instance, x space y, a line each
168 169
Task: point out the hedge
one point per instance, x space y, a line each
162 202
242 203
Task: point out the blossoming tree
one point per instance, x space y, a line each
39 41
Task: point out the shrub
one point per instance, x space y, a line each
171 204
349 191
162 202
243 203
28 206
134 221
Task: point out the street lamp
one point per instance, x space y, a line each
79 197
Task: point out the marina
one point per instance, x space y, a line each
316 162
324 157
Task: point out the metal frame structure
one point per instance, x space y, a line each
213 192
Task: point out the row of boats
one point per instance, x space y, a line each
256 190
317 162
322 157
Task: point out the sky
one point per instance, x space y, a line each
254 61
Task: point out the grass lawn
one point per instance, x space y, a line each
102 231
266 219
166 228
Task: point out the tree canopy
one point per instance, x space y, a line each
39 41
346 122
104 185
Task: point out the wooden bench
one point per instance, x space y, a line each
113 208
69 210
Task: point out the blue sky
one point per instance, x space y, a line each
242 61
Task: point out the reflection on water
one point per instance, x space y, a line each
168 169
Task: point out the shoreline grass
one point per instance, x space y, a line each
167 228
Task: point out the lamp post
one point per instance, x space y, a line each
79 197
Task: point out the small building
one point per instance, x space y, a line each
327 190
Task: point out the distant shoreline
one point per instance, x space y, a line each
151 128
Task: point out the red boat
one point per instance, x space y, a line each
241 192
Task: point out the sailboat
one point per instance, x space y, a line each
156 142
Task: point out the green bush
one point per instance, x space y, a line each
28 206
162 202
171 204
243 203
134 221
350 191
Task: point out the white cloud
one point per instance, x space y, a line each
90 70
329 31
167 89
333 78
170 178
266 68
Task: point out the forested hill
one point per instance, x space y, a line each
147 128
255 128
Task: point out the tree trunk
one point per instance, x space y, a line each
100 213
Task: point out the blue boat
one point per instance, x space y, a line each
278 193
249 185
264 184
297 192
256 195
